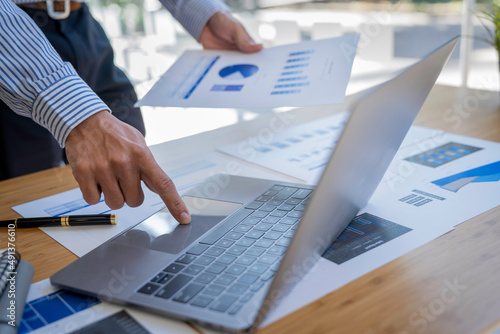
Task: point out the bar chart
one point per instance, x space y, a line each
53 307
443 154
292 77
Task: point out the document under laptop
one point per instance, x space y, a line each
251 240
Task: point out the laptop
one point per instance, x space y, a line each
251 240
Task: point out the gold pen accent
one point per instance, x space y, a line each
66 221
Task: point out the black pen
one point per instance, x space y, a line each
82 220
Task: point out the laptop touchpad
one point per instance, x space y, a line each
163 233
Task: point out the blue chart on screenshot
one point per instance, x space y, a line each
365 232
443 154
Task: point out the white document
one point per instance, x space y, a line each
80 240
303 151
448 178
431 186
39 294
326 276
306 73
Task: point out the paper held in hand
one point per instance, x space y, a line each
306 73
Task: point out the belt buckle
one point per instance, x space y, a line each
55 14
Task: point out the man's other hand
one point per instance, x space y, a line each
111 157
224 32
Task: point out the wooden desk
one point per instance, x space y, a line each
408 295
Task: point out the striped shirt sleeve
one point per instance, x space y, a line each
193 14
35 82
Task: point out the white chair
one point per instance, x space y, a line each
376 42
322 30
287 32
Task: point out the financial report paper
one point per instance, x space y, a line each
306 73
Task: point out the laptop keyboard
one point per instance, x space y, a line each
228 266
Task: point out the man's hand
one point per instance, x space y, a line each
112 157
222 31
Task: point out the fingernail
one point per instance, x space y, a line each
185 218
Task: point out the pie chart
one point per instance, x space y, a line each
238 72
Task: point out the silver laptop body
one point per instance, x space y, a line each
165 268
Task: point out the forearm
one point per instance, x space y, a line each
193 14
35 82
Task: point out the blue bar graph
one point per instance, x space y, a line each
300 53
299 84
279 145
292 78
226 88
295 66
292 72
294 140
262 149
53 307
295 60
282 92
207 69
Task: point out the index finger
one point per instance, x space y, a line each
159 182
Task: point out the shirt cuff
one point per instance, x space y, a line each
64 100
194 14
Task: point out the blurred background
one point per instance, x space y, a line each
394 34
